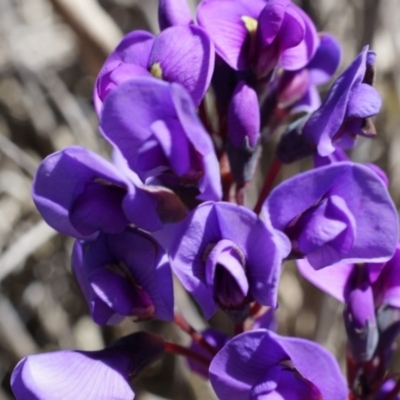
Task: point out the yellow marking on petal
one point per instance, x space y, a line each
156 70
250 24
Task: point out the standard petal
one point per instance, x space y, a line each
186 56
96 375
299 56
62 177
130 110
366 198
325 61
173 12
334 280
323 371
210 182
242 363
222 19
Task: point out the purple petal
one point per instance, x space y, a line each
323 371
293 29
297 57
116 293
359 317
271 19
325 61
364 102
308 103
69 375
225 274
173 12
140 261
210 183
134 49
361 189
242 363
337 156
74 375
211 223
186 56
379 172
334 280
387 287
99 207
327 120
327 223
222 20
62 177
244 117
252 358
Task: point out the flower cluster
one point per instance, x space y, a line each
172 200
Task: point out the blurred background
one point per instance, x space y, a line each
50 53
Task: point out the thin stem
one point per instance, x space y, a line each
196 336
268 182
186 352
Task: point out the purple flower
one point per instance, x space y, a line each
72 375
80 194
182 54
341 212
155 126
261 364
297 89
371 292
347 108
260 34
173 12
124 275
226 256
243 133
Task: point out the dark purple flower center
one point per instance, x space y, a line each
226 275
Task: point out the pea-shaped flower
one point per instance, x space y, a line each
121 275
182 54
155 127
341 212
225 256
263 365
72 375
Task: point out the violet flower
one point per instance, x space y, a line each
225 256
338 213
296 90
100 375
155 126
243 133
121 275
80 194
182 54
371 292
173 12
347 109
260 34
261 364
